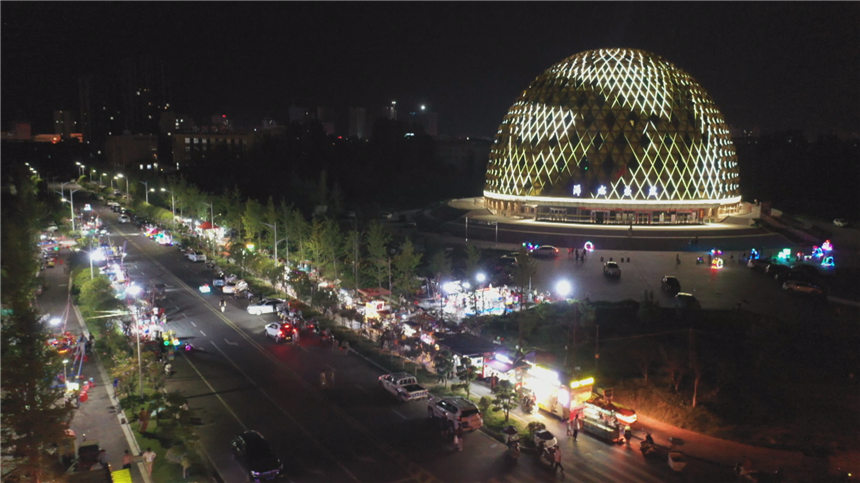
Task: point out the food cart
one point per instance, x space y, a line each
556 397
606 419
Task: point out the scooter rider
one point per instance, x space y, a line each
223 304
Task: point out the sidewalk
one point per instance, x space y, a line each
97 418
695 445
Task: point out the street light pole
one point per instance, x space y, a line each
274 227
146 187
72 206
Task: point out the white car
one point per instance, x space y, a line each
234 287
840 222
280 332
124 219
266 306
612 270
196 256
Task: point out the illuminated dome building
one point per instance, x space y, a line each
613 136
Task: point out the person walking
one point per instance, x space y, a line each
103 459
143 417
126 459
575 426
149 459
556 460
458 438
628 435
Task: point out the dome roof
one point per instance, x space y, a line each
614 126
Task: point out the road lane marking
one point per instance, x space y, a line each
192 323
230 342
223 402
398 413
204 333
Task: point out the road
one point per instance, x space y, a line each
351 432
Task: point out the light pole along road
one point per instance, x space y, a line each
350 432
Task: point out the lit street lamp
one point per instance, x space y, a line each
146 189
172 201
120 175
72 205
563 288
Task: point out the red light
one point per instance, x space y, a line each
224 116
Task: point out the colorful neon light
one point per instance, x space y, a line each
588 381
589 246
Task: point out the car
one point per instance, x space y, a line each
256 455
280 332
611 270
759 264
840 222
684 300
124 219
455 411
265 306
52 261
670 284
544 251
234 287
803 287
776 270
196 256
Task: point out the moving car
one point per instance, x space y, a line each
403 386
544 251
612 270
255 454
280 332
124 219
265 306
840 222
803 287
670 284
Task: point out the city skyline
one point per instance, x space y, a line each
768 66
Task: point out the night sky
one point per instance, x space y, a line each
768 65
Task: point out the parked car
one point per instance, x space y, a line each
255 454
196 256
684 300
403 386
670 284
759 264
840 222
234 287
124 219
280 332
803 287
455 409
776 269
611 270
265 306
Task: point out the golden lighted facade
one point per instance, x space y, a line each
613 136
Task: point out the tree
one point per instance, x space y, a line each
443 361
524 270
33 413
378 239
473 259
439 266
405 265
504 397
644 356
674 364
466 375
252 221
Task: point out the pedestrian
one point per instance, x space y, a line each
115 384
458 438
149 459
570 425
143 417
126 459
628 434
103 459
185 462
556 458
677 259
575 426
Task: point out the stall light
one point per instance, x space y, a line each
545 375
502 358
133 290
827 246
563 288
56 321
626 418
588 381
450 287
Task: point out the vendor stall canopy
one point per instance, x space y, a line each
615 126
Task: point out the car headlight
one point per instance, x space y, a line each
255 473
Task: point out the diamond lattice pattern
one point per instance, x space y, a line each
621 119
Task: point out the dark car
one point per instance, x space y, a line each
758 264
776 270
670 285
255 453
685 300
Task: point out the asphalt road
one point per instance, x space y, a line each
351 432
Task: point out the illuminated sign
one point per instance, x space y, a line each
588 381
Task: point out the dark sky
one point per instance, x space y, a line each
768 65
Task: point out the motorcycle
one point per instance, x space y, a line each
223 305
513 452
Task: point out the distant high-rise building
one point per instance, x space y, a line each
64 123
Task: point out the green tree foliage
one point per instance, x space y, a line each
252 221
525 269
473 260
439 265
404 266
467 374
443 361
504 398
97 295
351 254
377 239
33 411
